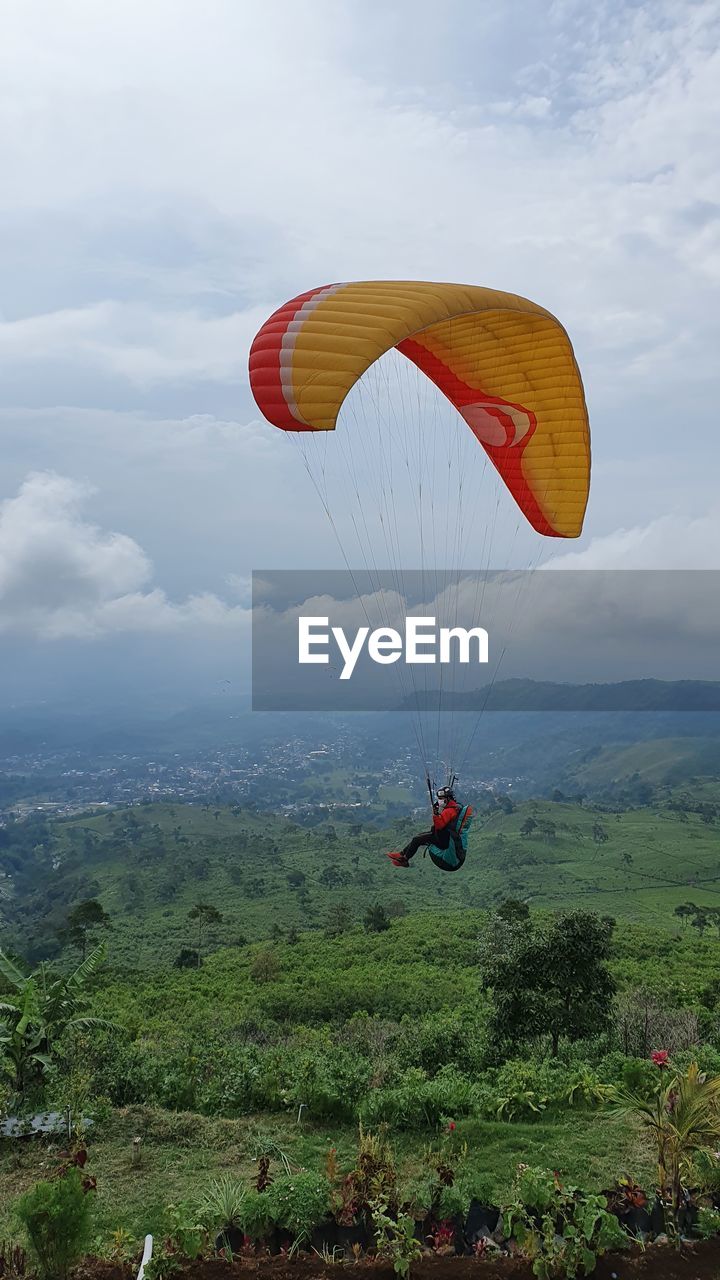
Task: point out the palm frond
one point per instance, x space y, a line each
11 973
87 968
86 1024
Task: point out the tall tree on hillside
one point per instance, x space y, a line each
684 912
551 981
203 914
83 923
339 919
376 919
700 920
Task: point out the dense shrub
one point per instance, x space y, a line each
300 1202
418 1103
57 1217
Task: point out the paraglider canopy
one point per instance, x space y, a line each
505 363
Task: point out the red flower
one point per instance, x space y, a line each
661 1058
452 1126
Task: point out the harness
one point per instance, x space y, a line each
452 858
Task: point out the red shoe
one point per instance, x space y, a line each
398 859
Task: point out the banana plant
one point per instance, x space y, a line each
42 1005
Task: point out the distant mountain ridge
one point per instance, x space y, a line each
536 695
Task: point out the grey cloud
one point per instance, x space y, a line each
61 576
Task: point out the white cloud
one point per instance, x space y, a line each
61 576
136 342
670 542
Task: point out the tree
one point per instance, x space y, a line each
700 920
684 912
550 979
547 831
264 966
339 919
513 911
331 877
599 834
205 914
528 827
712 915
82 923
376 919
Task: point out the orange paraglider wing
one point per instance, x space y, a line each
505 363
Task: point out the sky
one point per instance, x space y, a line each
175 170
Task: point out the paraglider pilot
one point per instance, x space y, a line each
446 842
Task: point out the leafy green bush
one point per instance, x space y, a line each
299 1203
395 1239
525 1088
184 1240
454 1202
327 1080
419 1103
636 1074
478 1186
535 1189
441 1040
417 1197
561 1229
257 1217
57 1217
708 1223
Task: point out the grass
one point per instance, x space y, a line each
181 1153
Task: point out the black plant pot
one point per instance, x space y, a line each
325 1236
657 1218
421 1229
274 1242
231 1238
356 1234
636 1220
687 1218
481 1219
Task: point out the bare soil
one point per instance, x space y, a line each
699 1261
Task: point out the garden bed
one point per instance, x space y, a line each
699 1261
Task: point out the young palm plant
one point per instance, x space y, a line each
683 1117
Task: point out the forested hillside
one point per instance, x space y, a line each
263 875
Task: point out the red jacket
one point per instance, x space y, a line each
448 815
